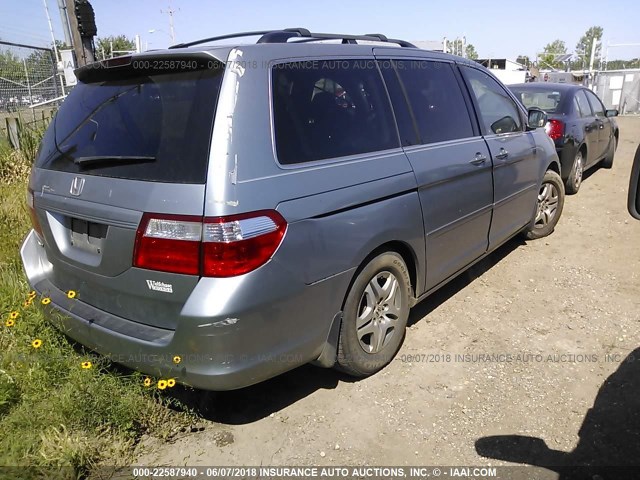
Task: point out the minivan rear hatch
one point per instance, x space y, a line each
133 136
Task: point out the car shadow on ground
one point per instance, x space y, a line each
448 290
594 169
609 445
250 404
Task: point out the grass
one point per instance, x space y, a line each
53 412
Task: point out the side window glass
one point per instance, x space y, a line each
583 103
596 104
330 108
576 107
436 100
498 112
404 117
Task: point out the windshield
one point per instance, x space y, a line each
547 100
154 127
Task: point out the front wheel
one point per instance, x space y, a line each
374 316
548 206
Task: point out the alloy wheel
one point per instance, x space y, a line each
548 199
578 170
378 312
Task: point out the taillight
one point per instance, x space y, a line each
169 243
555 129
240 243
210 247
32 213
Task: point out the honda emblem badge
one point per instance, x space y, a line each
76 186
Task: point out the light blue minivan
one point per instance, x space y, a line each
250 208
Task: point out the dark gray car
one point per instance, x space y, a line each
249 209
583 130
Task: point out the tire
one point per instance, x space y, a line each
608 160
548 207
574 181
375 316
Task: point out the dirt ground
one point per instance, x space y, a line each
525 343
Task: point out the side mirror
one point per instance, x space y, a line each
611 113
537 118
633 203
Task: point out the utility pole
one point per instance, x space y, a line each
138 44
591 61
170 11
53 38
65 22
58 57
81 34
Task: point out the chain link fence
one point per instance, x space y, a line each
30 87
620 89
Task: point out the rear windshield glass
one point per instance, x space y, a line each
153 127
547 100
330 108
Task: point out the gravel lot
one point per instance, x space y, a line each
523 344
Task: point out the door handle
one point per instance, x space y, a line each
479 160
502 154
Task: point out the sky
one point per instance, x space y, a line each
497 29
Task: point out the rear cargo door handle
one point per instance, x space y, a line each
502 154
479 160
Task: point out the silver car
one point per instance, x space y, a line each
224 214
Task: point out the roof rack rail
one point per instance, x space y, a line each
282 36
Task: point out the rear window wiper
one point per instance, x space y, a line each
86 161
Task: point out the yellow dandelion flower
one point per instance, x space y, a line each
32 294
71 294
9 323
177 359
14 315
86 365
27 303
37 343
46 301
162 384
147 382
171 382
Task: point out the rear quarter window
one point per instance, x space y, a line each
330 108
163 120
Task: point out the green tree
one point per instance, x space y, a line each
623 64
470 52
584 46
549 56
11 67
524 60
120 44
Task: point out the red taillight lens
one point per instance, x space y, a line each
32 213
215 247
555 129
241 243
169 243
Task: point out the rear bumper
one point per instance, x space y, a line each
263 324
567 155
